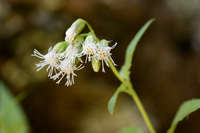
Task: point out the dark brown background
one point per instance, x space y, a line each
165 70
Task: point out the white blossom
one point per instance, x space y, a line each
71 53
89 49
104 53
51 59
67 69
67 65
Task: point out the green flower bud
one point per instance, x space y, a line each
74 30
61 46
78 41
90 38
96 64
104 42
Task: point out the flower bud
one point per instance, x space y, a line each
104 42
78 41
90 38
74 30
96 64
61 46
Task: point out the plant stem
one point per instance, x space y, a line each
90 28
84 34
139 104
130 90
116 72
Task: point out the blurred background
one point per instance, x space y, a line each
165 70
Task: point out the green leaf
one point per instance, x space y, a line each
186 109
125 70
113 99
131 130
12 118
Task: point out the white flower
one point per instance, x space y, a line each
71 53
89 49
67 65
103 54
67 69
51 59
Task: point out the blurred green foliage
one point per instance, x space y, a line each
12 118
125 70
186 109
131 130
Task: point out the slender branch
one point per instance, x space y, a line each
139 104
83 34
90 28
115 71
130 90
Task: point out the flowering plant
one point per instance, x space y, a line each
63 59
66 57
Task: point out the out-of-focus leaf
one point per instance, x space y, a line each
131 130
186 109
113 99
12 118
125 70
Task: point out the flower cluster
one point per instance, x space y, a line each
65 57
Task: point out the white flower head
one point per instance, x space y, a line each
89 49
67 65
51 59
104 54
67 69
71 53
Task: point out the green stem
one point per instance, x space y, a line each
83 34
139 104
90 28
116 72
130 90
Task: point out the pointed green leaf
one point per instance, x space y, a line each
125 70
186 109
113 99
12 118
131 130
